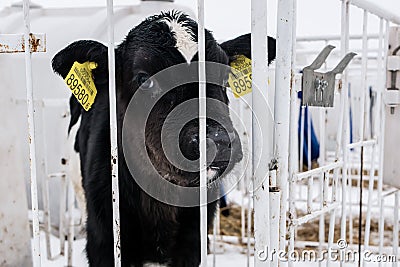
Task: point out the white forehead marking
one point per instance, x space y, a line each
184 38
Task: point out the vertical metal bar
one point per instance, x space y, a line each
396 227
46 216
322 127
71 201
382 85
275 198
381 225
46 198
63 199
274 213
202 134
248 233
302 114
379 88
370 197
32 138
310 181
242 182
113 133
248 175
215 239
293 138
364 62
242 208
309 194
344 46
326 186
283 78
333 212
321 226
262 122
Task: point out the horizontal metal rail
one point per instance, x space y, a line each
362 143
315 214
315 38
15 43
328 167
376 10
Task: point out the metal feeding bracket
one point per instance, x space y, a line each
318 88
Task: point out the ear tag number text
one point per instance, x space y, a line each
80 82
240 77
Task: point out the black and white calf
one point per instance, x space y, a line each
151 231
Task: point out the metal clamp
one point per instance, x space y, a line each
317 87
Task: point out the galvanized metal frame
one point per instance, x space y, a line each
261 128
202 133
113 133
32 137
283 86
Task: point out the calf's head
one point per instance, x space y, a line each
157 95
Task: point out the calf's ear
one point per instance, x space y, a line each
242 46
83 51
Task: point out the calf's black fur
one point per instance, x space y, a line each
151 231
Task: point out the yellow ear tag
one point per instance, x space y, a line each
240 77
80 81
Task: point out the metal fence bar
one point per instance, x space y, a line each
275 199
32 137
261 122
332 212
302 114
71 202
293 139
371 142
376 10
396 228
310 182
63 196
328 167
202 133
382 84
283 76
315 38
315 214
363 75
342 137
113 134
46 216
370 192
321 224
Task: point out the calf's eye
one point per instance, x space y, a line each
144 81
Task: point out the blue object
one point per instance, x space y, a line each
314 140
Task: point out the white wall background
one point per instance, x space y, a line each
229 18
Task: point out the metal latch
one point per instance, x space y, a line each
392 94
317 87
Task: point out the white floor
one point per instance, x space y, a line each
230 255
